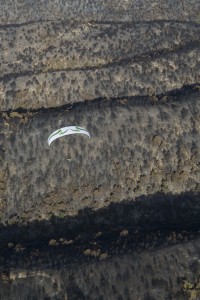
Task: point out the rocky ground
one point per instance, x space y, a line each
115 216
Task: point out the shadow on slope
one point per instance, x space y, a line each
146 214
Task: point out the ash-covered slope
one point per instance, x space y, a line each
134 150
129 72
73 56
145 138
29 11
50 64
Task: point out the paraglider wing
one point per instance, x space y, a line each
66 131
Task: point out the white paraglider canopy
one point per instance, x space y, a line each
66 131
